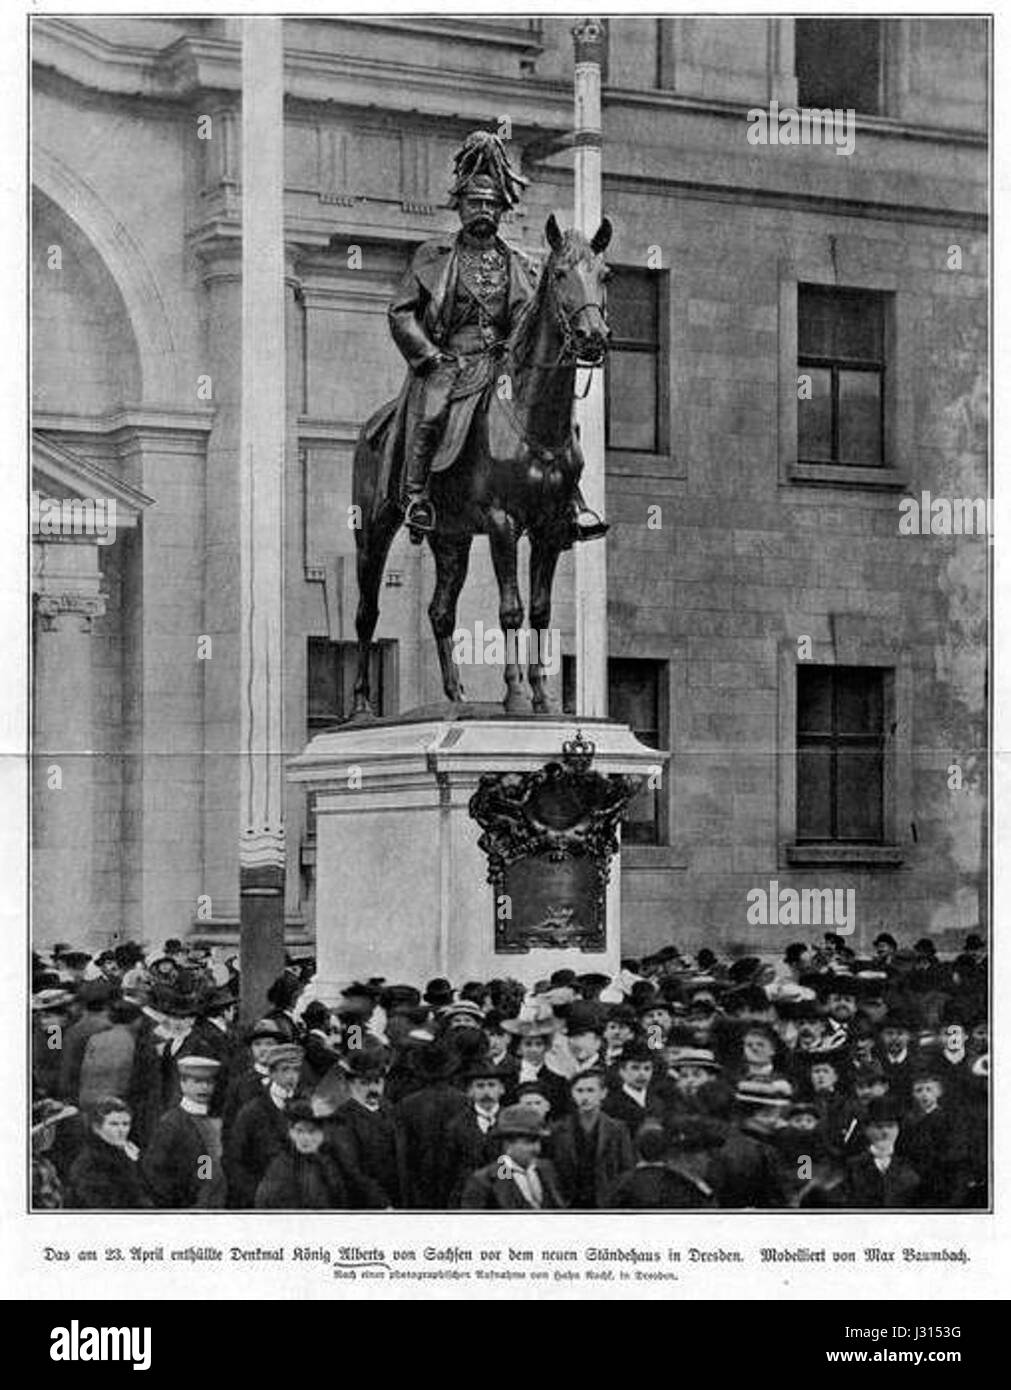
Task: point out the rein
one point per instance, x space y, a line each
568 358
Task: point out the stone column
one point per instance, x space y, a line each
67 600
590 558
220 260
163 676
262 434
294 695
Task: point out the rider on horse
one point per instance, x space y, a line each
451 318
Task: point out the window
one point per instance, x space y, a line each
332 668
840 754
637 695
635 362
841 376
839 64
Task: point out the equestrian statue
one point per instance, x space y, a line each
481 439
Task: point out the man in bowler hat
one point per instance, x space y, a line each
879 1176
365 1136
636 1100
425 1117
472 1139
517 1180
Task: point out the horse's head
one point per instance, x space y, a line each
577 272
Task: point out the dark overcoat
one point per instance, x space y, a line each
613 1155
746 1171
657 1187
468 1148
173 1161
488 1190
622 1107
368 1145
104 1178
303 1182
259 1134
243 1086
864 1186
424 1118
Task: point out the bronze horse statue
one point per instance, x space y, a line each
517 473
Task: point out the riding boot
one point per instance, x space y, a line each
419 513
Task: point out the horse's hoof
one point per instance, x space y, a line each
542 705
362 713
516 702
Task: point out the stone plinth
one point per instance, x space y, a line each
402 887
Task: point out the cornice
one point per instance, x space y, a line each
523 41
192 65
90 58
196 64
168 430
790 199
328 89
884 126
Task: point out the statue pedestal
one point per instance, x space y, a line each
402 887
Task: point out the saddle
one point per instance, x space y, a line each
385 431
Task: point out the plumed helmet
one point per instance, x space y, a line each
481 161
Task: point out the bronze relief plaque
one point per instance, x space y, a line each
550 836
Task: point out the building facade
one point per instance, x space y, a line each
800 335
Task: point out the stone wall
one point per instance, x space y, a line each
748 558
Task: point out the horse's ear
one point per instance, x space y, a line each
553 232
602 237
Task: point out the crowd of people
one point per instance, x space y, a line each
821 1080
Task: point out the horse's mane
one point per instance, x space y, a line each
574 247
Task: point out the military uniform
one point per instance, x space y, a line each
452 312
451 317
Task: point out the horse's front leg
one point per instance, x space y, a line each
451 559
502 539
544 552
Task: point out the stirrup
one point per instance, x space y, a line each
587 525
423 524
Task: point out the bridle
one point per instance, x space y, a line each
566 324
568 353
568 357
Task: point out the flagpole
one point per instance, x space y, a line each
261 470
590 556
